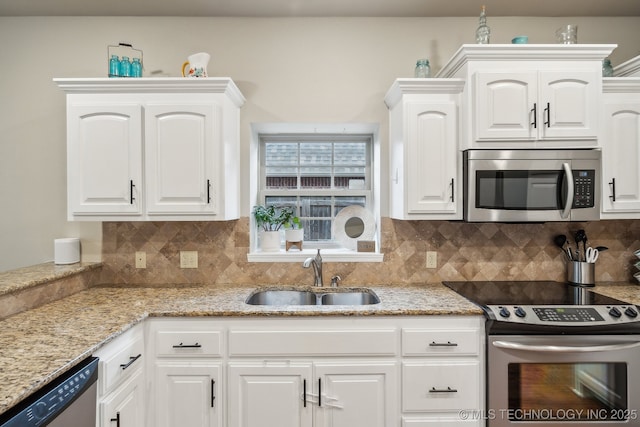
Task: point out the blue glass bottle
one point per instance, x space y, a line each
125 67
114 66
136 68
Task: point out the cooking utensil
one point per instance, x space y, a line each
579 238
601 248
561 240
591 255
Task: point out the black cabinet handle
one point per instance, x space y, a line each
304 393
547 113
116 419
213 392
442 390
442 344
208 191
452 189
613 189
196 345
534 110
319 392
131 360
131 187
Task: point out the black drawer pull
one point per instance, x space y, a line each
304 392
442 344
196 345
213 392
116 419
613 188
441 390
131 360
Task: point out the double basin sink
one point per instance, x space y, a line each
330 297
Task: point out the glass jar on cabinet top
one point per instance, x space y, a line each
125 67
423 69
136 68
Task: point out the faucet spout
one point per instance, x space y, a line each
316 262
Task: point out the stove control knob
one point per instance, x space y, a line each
504 312
614 312
631 312
520 312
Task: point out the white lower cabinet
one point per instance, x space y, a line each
125 406
121 381
315 372
187 394
269 394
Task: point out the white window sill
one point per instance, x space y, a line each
328 255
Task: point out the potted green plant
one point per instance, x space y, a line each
270 219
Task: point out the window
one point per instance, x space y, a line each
318 174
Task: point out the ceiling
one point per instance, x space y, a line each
319 8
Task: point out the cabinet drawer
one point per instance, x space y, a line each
366 342
188 343
438 342
120 359
440 386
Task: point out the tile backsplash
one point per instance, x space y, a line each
466 251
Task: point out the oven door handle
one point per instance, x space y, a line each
563 349
568 176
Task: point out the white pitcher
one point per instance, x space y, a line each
197 65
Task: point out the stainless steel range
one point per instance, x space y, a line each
558 354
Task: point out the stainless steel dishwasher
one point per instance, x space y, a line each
68 401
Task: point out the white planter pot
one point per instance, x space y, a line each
270 241
292 235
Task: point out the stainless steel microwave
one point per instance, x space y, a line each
531 185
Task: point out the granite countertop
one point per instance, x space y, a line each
40 344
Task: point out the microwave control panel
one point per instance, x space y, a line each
584 182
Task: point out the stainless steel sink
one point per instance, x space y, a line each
282 297
350 298
278 297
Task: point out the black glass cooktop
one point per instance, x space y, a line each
528 293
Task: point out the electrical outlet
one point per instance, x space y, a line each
432 259
188 259
141 260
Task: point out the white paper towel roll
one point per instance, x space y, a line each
67 250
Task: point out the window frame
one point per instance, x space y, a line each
298 193
262 133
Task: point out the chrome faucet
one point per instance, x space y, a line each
317 268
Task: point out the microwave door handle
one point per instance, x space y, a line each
568 176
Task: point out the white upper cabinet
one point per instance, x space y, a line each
426 177
620 140
531 106
152 148
529 96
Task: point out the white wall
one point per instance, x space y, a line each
289 69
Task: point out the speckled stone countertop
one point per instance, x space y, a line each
40 344
28 277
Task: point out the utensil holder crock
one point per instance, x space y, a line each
581 273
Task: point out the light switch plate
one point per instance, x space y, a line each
188 259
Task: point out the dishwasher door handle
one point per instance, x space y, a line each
563 349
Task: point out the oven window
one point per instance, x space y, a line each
568 392
519 189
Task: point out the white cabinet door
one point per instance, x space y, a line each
188 393
536 105
505 106
621 156
568 105
269 394
356 394
431 157
104 158
180 150
125 406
